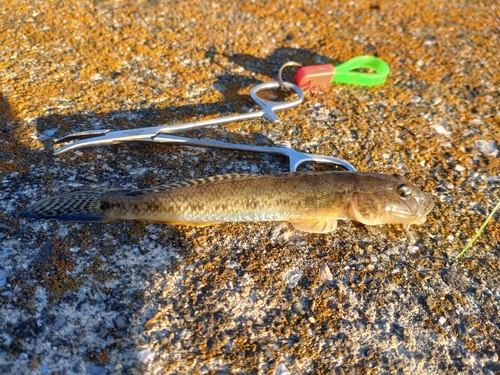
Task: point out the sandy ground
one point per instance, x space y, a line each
142 298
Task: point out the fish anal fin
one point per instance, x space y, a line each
315 226
188 223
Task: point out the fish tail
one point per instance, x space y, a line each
83 206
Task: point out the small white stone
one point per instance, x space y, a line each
325 274
442 320
233 264
440 129
292 277
145 355
298 308
23 356
282 370
96 77
459 168
413 249
489 148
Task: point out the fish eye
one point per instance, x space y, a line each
404 191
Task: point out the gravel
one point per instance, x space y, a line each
147 298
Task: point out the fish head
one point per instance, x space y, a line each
394 201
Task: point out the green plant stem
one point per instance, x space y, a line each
478 233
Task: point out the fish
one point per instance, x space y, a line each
311 201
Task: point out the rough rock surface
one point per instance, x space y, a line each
248 298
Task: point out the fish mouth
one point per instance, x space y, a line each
420 217
387 210
428 207
410 213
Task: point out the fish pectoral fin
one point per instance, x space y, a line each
315 226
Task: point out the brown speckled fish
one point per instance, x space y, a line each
311 201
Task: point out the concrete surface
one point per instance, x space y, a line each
142 298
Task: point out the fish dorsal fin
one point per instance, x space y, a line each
315 226
195 182
98 190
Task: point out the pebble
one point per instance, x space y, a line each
298 307
103 332
188 318
94 370
293 277
282 370
3 278
121 322
59 322
413 249
431 302
145 355
49 133
440 129
269 354
23 356
415 99
325 274
442 320
489 148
